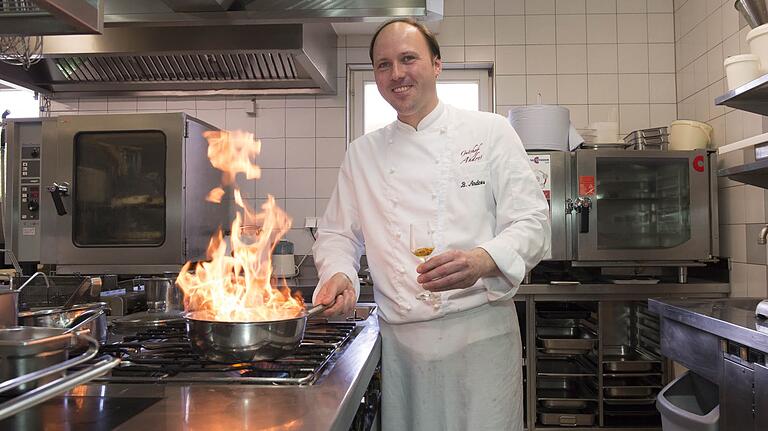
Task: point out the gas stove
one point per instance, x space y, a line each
164 355
331 382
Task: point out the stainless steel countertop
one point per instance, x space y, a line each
329 404
647 290
588 290
730 318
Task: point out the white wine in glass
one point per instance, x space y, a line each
422 246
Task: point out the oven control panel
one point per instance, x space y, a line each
29 184
25 188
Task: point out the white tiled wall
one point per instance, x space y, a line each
707 32
606 60
603 59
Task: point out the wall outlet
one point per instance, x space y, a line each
310 222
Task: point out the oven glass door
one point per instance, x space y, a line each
644 205
119 189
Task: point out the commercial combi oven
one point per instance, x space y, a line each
625 206
120 193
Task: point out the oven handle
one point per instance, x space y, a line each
57 191
582 205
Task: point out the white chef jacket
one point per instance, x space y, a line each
466 173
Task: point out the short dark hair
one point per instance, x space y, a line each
434 47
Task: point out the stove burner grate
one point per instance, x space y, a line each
164 355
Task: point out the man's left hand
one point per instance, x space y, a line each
456 269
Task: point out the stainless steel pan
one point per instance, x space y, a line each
246 341
84 316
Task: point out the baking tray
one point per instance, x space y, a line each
632 410
651 324
564 404
626 359
559 310
566 366
563 388
569 418
628 392
631 387
629 401
565 341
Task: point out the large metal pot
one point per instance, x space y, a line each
246 341
90 316
24 350
9 307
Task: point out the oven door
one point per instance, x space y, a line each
112 187
642 205
552 169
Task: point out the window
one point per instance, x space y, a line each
19 101
467 89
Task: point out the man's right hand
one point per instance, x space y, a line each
339 288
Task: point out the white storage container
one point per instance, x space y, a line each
689 135
758 44
740 69
689 403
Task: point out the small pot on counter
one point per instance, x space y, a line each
163 295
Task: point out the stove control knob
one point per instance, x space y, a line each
33 205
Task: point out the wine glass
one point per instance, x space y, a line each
422 246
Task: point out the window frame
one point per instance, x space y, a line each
481 74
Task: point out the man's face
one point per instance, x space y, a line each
405 71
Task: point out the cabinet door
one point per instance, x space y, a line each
761 397
736 398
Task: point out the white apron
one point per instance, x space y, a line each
460 372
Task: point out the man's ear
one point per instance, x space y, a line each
438 64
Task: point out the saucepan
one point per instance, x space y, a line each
90 316
246 341
9 299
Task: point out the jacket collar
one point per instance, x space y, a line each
427 122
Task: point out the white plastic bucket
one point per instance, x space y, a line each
758 44
740 69
689 135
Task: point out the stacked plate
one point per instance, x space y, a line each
593 139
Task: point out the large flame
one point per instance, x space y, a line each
237 287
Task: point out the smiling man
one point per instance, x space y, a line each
450 360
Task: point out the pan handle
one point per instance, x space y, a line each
319 308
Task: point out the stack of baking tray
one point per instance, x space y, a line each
631 379
655 138
647 330
566 370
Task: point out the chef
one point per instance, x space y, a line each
452 362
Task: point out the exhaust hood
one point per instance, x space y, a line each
45 17
206 47
168 61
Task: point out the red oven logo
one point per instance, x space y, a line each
698 163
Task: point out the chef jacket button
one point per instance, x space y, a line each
390 141
398 234
437 161
443 130
391 170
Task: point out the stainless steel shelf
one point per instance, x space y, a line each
752 96
755 173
